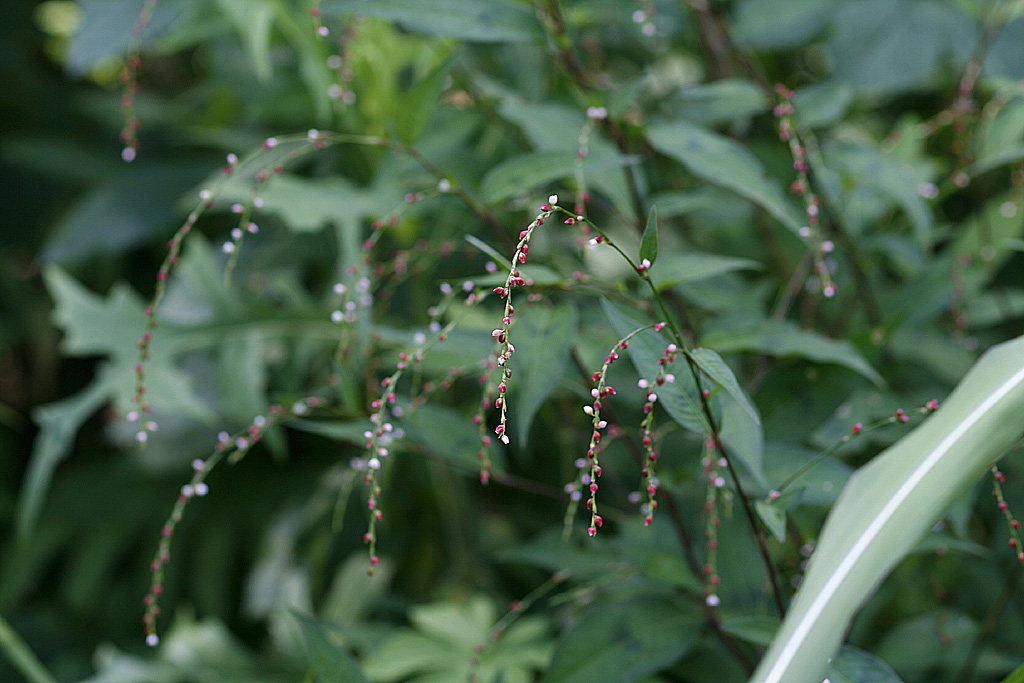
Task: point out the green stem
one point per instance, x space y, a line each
21 656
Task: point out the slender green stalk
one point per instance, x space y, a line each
19 653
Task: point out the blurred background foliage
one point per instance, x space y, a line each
913 114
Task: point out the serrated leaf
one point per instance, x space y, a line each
724 162
419 103
443 643
889 504
328 662
649 241
105 327
625 641
477 21
542 339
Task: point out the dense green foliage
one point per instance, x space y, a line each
811 210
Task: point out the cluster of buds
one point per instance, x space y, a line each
378 439
382 432
313 141
318 26
501 334
716 484
600 393
642 17
129 77
811 232
234 447
998 479
646 433
489 388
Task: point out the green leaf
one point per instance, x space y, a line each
350 431
726 101
680 399
715 368
774 517
649 241
444 639
420 102
722 161
449 435
624 641
889 504
1016 677
475 21
105 30
888 46
889 178
821 104
784 339
525 172
856 666
757 630
133 204
307 205
677 269
253 20
542 337
780 24
329 663
58 423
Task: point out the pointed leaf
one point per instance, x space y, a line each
724 162
889 504
525 172
856 666
786 339
715 368
649 242
677 269
419 104
774 517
